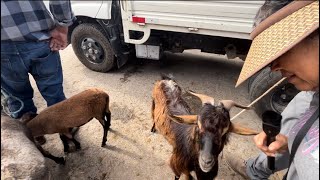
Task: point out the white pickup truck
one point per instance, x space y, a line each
107 32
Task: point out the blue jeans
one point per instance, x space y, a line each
18 59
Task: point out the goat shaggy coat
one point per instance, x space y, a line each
197 140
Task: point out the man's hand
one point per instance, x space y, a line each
280 145
59 40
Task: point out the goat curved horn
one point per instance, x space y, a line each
228 104
239 129
184 119
204 98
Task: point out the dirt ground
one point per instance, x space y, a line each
132 151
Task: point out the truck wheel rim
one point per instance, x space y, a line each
92 50
282 96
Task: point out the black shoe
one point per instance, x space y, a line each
40 140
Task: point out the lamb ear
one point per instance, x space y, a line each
184 119
239 129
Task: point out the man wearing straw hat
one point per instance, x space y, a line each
288 41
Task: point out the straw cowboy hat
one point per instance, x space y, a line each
279 33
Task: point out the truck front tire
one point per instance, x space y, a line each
92 47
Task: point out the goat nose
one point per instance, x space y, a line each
206 159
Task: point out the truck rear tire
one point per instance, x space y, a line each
92 47
277 99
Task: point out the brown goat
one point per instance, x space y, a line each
72 112
197 140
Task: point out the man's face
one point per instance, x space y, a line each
300 65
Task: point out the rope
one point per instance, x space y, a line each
4 103
253 102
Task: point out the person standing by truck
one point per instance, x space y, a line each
30 41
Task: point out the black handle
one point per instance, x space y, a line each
271 160
271 126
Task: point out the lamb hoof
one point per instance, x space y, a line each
103 144
61 161
66 150
153 129
72 148
40 140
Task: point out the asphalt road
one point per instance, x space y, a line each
133 152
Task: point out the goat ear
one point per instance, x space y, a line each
184 119
204 98
228 104
238 129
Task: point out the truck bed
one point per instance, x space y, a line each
216 18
